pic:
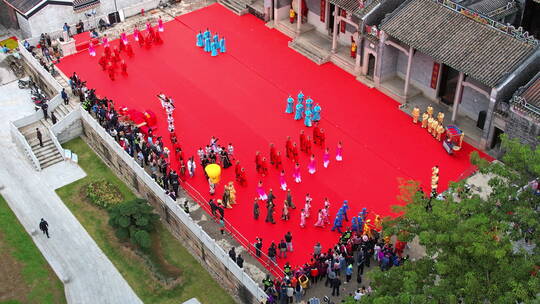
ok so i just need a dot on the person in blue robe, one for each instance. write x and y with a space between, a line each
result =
309 104
216 39
354 224
300 97
290 105
299 111
364 214
338 222
213 46
307 118
200 41
206 34
317 112
207 45
222 47
345 207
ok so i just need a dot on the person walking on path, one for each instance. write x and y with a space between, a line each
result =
44 227
336 283
39 137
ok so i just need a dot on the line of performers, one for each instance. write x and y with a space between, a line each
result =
213 45
434 125
309 112
151 37
168 105
110 61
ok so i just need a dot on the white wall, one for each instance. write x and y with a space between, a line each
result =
52 17
24 25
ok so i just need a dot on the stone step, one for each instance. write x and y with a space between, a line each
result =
34 144
343 63
237 7
51 161
310 52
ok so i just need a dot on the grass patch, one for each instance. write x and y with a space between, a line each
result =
26 277
167 273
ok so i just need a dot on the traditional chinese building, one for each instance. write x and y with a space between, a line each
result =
524 113
459 61
34 17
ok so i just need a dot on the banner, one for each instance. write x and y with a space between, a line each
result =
323 10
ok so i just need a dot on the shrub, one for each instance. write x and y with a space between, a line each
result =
103 194
133 221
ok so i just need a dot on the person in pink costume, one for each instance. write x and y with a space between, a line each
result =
302 218
91 49
307 206
123 37
339 152
136 34
282 181
320 219
160 24
326 211
326 158
261 192
296 173
105 41
311 166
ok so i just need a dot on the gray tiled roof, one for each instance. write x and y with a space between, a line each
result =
478 50
532 92
487 6
360 12
348 5
23 6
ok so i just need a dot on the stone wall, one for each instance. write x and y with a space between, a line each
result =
522 128
421 70
185 235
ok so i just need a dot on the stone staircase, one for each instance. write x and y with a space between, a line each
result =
344 63
239 7
310 51
48 154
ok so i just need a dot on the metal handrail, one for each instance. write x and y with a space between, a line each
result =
272 266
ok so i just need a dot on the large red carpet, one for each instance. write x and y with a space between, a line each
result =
240 96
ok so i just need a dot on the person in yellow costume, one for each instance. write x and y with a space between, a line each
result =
429 110
415 114
440 117
378 223
435 170
440 132
425 118
367 229
430 124
232 193
434 126
434 182
292 14
353 48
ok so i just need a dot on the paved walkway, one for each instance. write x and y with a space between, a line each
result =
88 275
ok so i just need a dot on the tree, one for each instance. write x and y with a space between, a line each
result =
474 246
133 221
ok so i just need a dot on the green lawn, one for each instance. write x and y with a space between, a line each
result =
25 275
186 277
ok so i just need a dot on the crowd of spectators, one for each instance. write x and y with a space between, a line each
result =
335 268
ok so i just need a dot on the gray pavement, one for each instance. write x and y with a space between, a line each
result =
88 275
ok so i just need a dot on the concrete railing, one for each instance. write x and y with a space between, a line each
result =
177 212
23 145
65 122
32 62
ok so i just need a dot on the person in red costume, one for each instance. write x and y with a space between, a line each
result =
295 152
107 51
129 50
322 138
258 161
241 177
316 133
264 167
277 161
103 62
110 70
272 153
157 38
288 147
121 46
124 68
141 40
302 140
